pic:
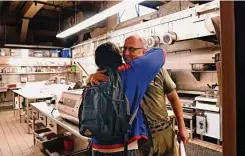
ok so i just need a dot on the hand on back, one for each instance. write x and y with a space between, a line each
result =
97 77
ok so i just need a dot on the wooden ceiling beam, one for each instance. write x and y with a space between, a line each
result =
59 6
24 29
30 10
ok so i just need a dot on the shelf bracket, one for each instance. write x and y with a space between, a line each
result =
197 75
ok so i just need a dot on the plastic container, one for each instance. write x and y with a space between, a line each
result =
2 53
54 53
69 144
46 53
73 68
65 53
12 85
38 54
44 144
5 51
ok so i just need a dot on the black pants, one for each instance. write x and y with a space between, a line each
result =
130 153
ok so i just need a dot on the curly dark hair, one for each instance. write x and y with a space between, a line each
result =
107 55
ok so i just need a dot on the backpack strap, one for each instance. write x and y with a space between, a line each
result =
127 106
128 112
129 125
133 116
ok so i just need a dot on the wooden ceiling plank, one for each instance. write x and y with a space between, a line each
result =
30 10
24 29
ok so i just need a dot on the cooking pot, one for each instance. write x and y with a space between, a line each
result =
153 41
169 38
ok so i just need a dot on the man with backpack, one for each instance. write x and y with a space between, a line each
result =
162 141
135 77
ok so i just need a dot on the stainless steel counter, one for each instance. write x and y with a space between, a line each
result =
46 110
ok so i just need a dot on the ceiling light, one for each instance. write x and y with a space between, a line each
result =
31 46
97 18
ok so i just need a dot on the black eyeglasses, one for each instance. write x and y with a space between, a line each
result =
130 49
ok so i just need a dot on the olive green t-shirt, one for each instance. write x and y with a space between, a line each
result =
154 102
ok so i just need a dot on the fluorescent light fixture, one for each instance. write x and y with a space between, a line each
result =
98 17
31 46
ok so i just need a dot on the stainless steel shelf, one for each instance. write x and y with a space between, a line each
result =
197 74
8 65
190 92
206 71
32 73
33 57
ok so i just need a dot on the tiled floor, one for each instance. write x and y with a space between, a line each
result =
14 140
207 144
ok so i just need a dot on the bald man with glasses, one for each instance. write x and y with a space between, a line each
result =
162 140
133 48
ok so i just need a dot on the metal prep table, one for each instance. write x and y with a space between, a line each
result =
30 97
34 92
54 121
58 125
15 103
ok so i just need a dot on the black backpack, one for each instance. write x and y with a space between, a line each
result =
105 111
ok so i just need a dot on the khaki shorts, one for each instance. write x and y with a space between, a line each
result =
163 144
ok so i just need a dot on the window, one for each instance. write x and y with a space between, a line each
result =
145 10
134 11
127 14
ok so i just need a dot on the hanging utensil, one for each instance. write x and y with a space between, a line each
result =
169 38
